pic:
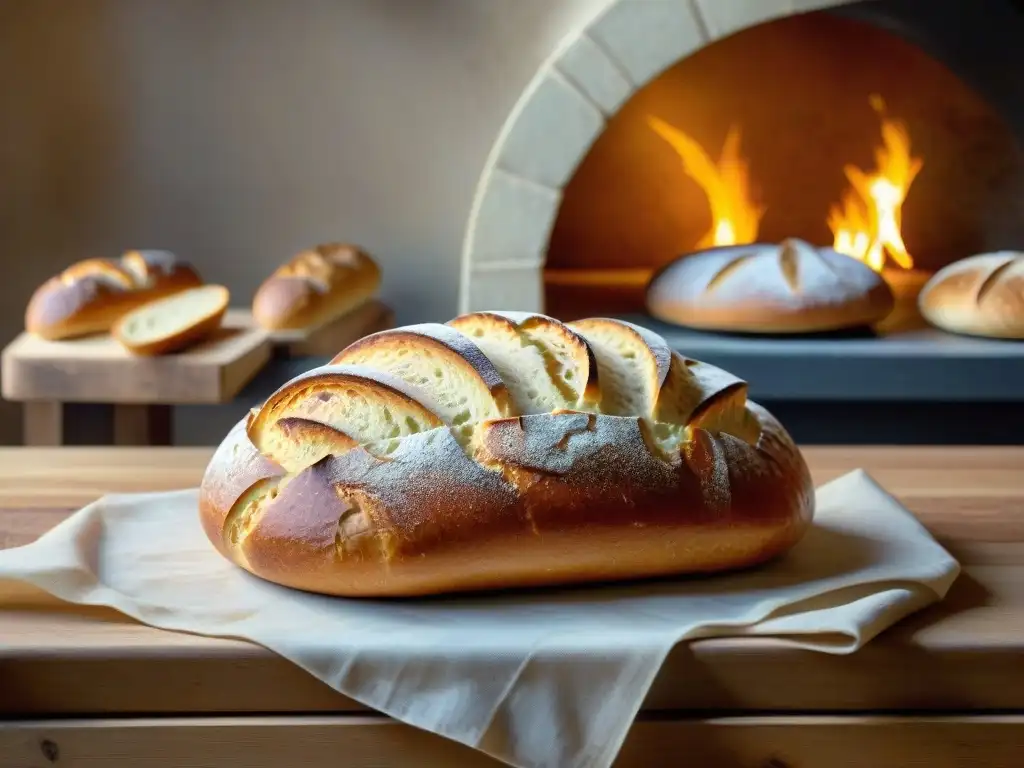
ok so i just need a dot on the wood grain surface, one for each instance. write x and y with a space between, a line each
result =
966 654
365 742
327 340
97 369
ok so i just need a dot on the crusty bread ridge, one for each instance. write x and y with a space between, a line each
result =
409 466
174 322
314 287
792 287
981 295
91 295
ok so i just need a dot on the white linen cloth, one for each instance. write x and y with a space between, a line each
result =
546 679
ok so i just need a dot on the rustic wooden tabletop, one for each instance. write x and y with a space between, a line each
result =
955 670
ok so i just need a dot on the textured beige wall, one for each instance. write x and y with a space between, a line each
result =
236 131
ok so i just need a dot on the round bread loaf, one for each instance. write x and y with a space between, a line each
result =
315 287
981 295
504 450
792 287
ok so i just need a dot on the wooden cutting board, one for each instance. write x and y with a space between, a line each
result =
922 693
327 340
97 369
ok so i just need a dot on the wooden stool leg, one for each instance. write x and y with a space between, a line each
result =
142 424
43 423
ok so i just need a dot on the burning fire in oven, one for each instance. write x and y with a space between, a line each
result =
734 215
867 222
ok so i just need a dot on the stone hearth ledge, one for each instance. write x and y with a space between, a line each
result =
559 116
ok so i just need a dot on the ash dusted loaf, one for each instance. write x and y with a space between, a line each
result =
981 295
792 287
91 295
174 322
315 287
504 450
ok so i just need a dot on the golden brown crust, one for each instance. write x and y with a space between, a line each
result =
551 498
762 288
981 295
316 286
91 295
234 467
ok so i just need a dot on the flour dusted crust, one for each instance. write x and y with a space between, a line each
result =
380 476
315 287
981 295
792 287
91 295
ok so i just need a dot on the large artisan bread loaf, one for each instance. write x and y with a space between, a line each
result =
792 287
502 450
315 287
981 295
91 295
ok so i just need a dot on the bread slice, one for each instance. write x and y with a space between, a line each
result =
632 363
545 364
365 405
174 322
440 362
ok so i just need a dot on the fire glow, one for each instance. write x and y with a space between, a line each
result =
734 216
867 222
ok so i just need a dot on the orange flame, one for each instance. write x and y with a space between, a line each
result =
867 224
734 216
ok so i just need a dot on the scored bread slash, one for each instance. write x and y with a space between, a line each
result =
299 443
441 362
545 364
173 323
504 450
696 394
633 363
364 404
235 466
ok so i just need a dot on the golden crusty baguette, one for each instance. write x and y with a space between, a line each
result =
374 491
315 287
981 295
91 295
174 322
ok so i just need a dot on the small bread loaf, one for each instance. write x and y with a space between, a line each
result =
504 450
788 288
174 322
91 295
316 287
981 295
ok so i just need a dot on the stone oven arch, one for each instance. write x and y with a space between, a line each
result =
558 117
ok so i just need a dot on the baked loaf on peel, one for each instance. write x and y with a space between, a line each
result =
981 295
504 450
315 287
792 287
91 295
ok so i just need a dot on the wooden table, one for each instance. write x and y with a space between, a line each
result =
49 376
944 688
